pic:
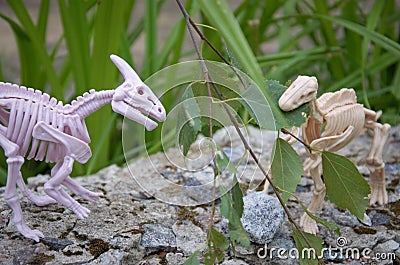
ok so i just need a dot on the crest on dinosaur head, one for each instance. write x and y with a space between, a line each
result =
302 90
134 99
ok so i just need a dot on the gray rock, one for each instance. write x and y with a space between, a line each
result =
262 217
378 218
234 262
157 236
389 246
189 237
175 258
344 218
56 243
113 256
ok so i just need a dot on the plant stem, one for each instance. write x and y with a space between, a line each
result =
208 80
233 120
297 138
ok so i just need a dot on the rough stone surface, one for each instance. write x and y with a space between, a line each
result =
262 216
189 237
157 236
114 231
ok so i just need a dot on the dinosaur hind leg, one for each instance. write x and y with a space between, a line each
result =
14 163
53 188
376 166
306 222
38 200
81 191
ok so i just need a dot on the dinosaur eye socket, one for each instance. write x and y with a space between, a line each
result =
140 91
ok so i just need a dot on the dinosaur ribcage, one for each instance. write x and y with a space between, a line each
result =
340 118
20 116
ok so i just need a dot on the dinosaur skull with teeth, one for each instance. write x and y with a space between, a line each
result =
134 99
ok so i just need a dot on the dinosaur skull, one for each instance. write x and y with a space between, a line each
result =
134 99
302 90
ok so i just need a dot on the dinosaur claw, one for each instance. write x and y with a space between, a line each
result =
29 233
308 224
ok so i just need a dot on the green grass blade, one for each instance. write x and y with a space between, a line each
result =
266 60
221 17
43 59
150 28
354 78
372 22
329 34
27 57
379 39
43 17
108 25
76 32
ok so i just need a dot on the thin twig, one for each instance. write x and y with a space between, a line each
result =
297 138
207 78
233 120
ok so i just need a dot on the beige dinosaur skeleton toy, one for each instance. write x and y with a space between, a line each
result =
344 119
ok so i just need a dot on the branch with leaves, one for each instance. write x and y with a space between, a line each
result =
286 166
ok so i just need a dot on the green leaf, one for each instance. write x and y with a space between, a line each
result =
189 120
238 234
222 18
286 167
192 260
307 255
218 239
223 162
232 209
294 117
237 198
258 107
328 224
210 258
345 186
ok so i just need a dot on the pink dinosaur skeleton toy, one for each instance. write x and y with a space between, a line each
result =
38 127
344 119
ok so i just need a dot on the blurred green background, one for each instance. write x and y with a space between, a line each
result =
63 48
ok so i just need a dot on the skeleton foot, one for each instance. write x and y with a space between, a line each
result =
308 224
81 191
79 210
377 182
65 199
21 226
38 200
90 195
27 232
378 194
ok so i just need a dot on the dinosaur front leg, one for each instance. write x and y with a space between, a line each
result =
53 188
375 164
328 143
